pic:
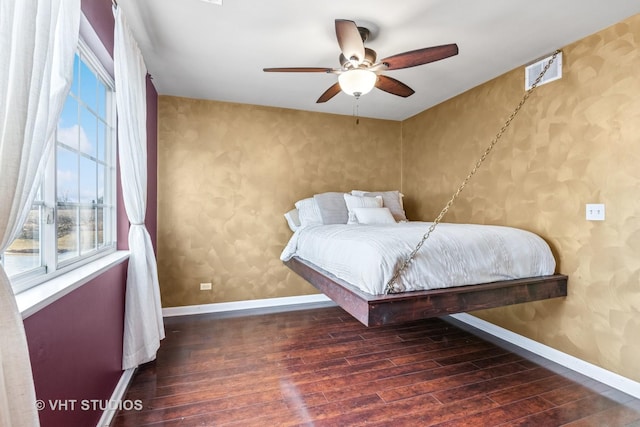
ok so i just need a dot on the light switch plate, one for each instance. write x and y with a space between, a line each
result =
595 212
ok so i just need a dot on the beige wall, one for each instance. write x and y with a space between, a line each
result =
226 175
576 141
228 172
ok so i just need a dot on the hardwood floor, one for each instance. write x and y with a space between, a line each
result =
320 367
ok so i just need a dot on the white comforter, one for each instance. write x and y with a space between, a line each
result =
454 255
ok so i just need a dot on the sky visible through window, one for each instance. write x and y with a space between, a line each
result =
83 165
81 138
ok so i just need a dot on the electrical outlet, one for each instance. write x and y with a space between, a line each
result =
205 286
595 212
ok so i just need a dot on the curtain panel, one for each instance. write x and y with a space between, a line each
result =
143 324
38 40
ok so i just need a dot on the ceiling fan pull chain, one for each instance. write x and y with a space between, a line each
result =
393 286
356 111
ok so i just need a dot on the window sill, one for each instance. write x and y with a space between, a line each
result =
34 299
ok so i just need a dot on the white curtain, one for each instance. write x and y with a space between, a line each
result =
38 40
143 325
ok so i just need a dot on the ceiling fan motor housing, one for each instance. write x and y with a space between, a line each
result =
359 72
370 57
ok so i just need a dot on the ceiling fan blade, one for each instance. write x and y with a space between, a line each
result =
420 56
298 70
350 40
329 93
393 86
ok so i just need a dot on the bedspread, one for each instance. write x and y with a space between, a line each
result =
454 255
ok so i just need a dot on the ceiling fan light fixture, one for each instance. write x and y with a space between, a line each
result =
357 82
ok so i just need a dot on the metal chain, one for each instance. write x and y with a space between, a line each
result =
392 285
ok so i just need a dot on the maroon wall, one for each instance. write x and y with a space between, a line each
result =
151 216
100 15
75 343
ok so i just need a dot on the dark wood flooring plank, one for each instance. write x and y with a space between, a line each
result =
499 360
418 350
472 356
522 391
492 385
567 413
568 393
380 413
616 416
501 415
448 382
428 416
321 367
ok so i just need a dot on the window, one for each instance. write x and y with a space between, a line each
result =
72 219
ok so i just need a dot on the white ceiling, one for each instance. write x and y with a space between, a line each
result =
197 49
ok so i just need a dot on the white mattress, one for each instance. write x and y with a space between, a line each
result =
454 255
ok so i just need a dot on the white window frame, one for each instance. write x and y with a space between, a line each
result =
50 268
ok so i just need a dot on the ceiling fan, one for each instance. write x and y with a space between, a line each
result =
360 73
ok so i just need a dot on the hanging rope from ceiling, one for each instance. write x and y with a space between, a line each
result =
393 286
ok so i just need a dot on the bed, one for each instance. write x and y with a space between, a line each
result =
460 268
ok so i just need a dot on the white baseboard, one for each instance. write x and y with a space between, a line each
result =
116 396
243 305
597 373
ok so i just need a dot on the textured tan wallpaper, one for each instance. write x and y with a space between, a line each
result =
576 141
226 175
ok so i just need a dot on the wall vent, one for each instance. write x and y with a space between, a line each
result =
532 71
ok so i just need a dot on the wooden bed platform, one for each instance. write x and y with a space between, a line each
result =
375 310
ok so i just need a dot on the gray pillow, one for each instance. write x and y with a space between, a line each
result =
393 201
333 208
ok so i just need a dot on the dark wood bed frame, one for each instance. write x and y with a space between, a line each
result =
375 310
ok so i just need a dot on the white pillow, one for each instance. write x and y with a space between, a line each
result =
308 212
368 194
293 219
360 202
374 216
